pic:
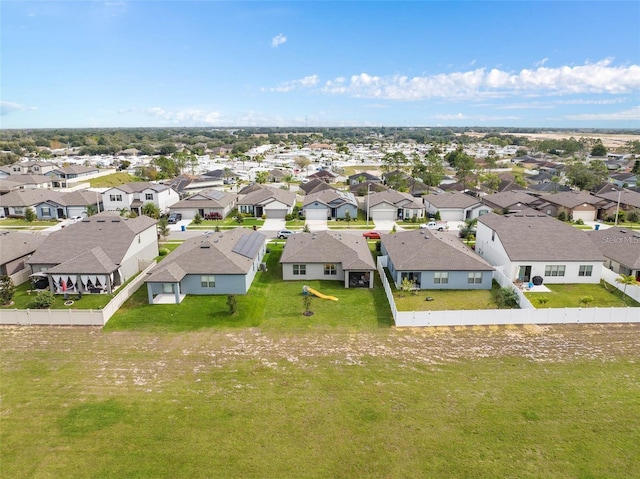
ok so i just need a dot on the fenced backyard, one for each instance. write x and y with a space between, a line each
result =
528 314
73 317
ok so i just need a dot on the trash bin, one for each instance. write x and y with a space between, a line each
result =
183 228
597 227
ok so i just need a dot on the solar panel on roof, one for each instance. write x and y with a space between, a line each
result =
215 194
249 245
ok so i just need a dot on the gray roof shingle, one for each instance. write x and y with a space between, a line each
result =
329 247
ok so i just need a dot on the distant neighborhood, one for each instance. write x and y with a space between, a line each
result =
535 217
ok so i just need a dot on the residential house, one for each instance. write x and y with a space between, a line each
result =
324 175
15 203
328 255
97 254
132 196
15 249
615 199
330 204
391 205
624 180
31 168
363 177
209 204
401 181
511 201
455 206
531 244
27 182
62 176
264 200
574 204
620 248
432 260
215 263
314 186
277 175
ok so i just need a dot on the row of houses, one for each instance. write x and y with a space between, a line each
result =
100 253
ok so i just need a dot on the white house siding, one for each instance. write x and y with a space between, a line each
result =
383 213
109 205
314 271
570 276
164 199
276 209
316 213
143 247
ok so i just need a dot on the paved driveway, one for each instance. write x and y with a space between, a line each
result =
317 225
273 225
383 226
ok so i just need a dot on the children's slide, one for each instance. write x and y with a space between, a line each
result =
319 294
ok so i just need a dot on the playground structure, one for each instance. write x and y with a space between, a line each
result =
308 290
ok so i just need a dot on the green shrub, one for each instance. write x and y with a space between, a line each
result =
197 219
7 289
43 300
506 298
163 251
579 221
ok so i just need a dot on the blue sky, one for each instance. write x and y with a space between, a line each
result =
205 63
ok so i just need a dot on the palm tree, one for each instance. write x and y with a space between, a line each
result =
626 280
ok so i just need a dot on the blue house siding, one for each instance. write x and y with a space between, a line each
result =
455 280
341 211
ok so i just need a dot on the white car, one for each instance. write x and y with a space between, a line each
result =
75 219
284 234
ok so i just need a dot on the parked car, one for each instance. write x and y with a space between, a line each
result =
435 225
371 235
174 218
75 219
284 234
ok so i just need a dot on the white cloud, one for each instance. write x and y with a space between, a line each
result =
456 116
306 82
278 40
185 117
7 107
632 114
600 77
541 62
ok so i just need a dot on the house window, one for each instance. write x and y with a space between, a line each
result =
493 236
330 270
115 197
554 270
585 270
475 277
208 281
148 196
46 211
167 288
18 210
299 269
441 278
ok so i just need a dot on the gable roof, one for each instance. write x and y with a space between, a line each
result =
619 244
207 199
534 236
107 230
627 197
231 252
352 251
139 186
15 244
423 250
316 185
266 194
509 198
396 198
30 197
570 199
329 196
452 200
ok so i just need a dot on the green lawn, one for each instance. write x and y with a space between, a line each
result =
568 296
22 223
270 303
22 300
444 300
115 179
78 403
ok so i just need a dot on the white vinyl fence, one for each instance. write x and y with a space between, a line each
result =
527 315
73 317
610 277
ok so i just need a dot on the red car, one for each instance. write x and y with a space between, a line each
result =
371 235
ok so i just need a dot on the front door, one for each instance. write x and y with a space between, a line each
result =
524 274
60 213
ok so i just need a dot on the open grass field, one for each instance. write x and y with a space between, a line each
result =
568 296
531 402
115 179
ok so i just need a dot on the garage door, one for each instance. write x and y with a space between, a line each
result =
383 215
584 215
316 214
275 214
